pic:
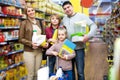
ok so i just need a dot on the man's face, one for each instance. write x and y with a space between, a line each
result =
68 9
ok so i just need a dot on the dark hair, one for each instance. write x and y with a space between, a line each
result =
66 2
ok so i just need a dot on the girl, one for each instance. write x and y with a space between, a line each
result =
65 62
55 22
32 53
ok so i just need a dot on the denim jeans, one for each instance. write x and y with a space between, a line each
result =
69 74
79 60
51 64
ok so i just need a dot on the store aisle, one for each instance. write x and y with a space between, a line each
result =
96 65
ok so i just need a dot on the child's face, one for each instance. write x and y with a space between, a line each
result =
54 20
61 35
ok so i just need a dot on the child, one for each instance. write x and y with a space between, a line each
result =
55 22
65 62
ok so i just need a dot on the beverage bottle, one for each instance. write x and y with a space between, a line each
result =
34 37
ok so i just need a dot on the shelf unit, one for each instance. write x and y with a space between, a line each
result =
112 30
6 18
10 56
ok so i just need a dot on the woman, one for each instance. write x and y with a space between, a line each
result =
32 53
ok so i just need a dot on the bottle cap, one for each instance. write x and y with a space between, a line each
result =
34 30
59 67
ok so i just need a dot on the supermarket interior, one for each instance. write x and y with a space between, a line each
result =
101 52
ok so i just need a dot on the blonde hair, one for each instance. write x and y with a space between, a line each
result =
25 9
57 16
63 28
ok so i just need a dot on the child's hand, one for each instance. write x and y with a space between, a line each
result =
65 57
55 53
52 40
46 45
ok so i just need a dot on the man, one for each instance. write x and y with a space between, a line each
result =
69 21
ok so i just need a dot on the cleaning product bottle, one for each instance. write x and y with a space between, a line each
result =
34 37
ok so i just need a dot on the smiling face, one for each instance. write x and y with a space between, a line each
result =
62 34
54 20
30 13
68 9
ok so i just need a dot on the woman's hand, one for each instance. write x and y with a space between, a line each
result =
34 45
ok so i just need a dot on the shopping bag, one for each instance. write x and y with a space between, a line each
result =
43 73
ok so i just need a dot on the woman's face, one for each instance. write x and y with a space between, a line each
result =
54 21
61 35
30 12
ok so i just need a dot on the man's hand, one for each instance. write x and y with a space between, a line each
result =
85 38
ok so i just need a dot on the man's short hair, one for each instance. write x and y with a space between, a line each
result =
66 2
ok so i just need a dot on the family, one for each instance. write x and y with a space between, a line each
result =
33 53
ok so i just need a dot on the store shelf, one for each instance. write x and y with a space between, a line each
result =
39 18
91 14
10 27
13 39
12 66
10 53
11 16
9 4
14 52
39 10
3 43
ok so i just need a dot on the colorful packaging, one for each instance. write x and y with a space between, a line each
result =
67 48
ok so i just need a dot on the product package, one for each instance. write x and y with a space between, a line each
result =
67 48
80 29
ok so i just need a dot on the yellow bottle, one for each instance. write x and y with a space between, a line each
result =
55 35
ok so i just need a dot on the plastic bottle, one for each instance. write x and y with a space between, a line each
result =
34 37
59 72
54 35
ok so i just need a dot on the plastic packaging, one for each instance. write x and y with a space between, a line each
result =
59 72
34 37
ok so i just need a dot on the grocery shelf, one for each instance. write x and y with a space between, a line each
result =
13 39
8 15
9 4
39 18
12 66
14 52
10 53
9 27
3 43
